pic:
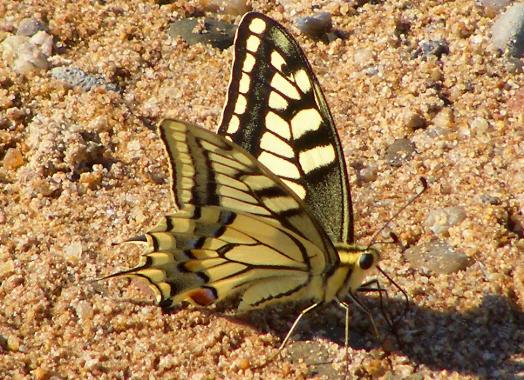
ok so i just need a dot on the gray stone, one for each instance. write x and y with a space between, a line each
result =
316 26
441 220
29 27
216 33
399 152
507 32
432 47
437 256
75 77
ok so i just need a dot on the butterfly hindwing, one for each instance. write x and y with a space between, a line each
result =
275 109
205 254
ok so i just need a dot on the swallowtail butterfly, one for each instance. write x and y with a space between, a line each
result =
263 207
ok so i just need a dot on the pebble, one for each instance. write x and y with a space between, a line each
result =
13 159
412 120
399 152
516 223
491 199
91 180
25 55
441 220
73 251
74 77
518 281
13 343
507 32
7 266
316 26
4 121
479 126
367 174
516 103
44 41
437 256
244 363
231 7
374 368
363 57
514 65
371 71
444 119
84 310
30 26
15 114
40 373
493 7
402 26
432 47
216 33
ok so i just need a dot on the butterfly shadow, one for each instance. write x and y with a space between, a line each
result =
483 342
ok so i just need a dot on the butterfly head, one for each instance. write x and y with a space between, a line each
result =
359 262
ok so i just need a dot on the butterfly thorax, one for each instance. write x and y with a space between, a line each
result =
356 263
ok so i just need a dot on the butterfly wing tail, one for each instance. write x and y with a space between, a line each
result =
170 248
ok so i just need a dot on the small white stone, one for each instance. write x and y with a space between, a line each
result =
363 57
84 310
479 126
22 55
45 41
441 220
73 250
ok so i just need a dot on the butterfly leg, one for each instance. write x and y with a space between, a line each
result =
345 306
374 286
294 325
404 294
290 332
363 307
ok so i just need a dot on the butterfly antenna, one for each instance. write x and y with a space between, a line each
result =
394 283
396 240
399 211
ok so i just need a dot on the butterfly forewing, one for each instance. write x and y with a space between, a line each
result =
212 171
275 110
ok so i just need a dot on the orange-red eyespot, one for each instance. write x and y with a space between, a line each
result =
203 296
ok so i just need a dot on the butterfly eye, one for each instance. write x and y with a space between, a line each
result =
366 261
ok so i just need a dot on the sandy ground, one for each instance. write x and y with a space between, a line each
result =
85 171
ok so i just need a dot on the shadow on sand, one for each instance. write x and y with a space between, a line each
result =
482 342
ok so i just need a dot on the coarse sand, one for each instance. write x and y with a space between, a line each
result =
84 170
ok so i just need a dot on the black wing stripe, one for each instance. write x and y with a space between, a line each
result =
287 293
